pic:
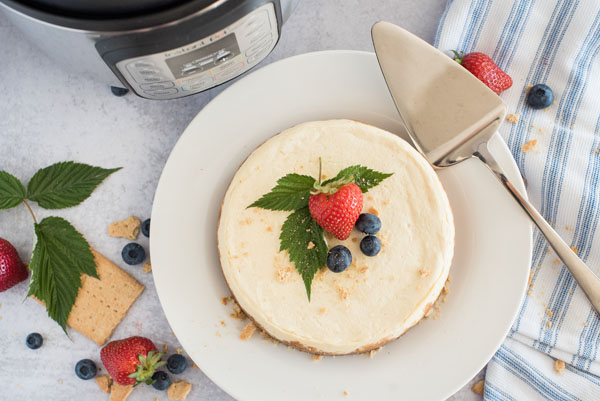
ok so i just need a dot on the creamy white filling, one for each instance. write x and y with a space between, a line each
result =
377 298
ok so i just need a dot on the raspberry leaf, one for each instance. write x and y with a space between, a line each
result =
12 192
291 193
65 184
60 256
362 176
303 238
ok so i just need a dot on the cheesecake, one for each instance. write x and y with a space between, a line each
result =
376 299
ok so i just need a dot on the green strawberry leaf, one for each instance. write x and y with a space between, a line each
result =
291 193
65 184
60 256
303 238
362 176
12 192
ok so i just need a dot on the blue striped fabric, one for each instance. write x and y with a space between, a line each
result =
555 42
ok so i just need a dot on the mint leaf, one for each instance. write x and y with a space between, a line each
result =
65 184
12 192
60 256
299 233
291 192
364 177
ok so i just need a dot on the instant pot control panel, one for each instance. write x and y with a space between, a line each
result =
207 62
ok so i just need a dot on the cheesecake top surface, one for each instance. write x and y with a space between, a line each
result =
375 299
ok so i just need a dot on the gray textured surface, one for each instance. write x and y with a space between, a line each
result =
49 115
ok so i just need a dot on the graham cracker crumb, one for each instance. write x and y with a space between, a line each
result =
165 348
363 269
118 392
549 313
179 351
529 292
585 323
225 300
478 387
512 118
179 390
373 352
548 324
322 310
237 312
568 228
529 145
155 399
556 261
283 273
540 130
574 249
445 290
147 267
269 229
374 211
528 87
597 151
559 366
247 331
311 245
223 323
104 382
196 366
128 228
423 272
343 292
355 240
346 392
317 358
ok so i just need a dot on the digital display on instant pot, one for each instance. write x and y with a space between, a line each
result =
204 58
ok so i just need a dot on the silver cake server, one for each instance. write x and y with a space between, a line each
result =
450 116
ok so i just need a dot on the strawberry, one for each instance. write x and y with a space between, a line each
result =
336 209
132 360
484 68
12 270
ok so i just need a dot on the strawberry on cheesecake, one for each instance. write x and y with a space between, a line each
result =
335 237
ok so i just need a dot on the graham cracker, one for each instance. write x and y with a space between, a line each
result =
102 304
128 228
104 382
119 392
179 390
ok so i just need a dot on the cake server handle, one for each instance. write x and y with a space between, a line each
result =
587 280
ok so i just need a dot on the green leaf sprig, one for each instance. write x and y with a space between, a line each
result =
61 254
301 236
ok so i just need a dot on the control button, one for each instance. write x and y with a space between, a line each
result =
152 78
190 69
258 35
230 72
198 85
195 78
162 92
148 71
259 46
257 19
158 85
141 64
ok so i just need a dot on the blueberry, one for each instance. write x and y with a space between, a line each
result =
118 91
370 245
85 369
133 254
176 363
34 340
339 258
368 223
540 96
161 380
146 228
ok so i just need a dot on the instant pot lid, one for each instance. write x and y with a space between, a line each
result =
94 9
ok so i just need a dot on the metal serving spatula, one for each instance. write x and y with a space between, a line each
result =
450 115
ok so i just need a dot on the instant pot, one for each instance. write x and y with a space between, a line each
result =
160 49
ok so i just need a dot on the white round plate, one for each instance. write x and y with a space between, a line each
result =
431 361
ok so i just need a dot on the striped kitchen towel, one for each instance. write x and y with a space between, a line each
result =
555 42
